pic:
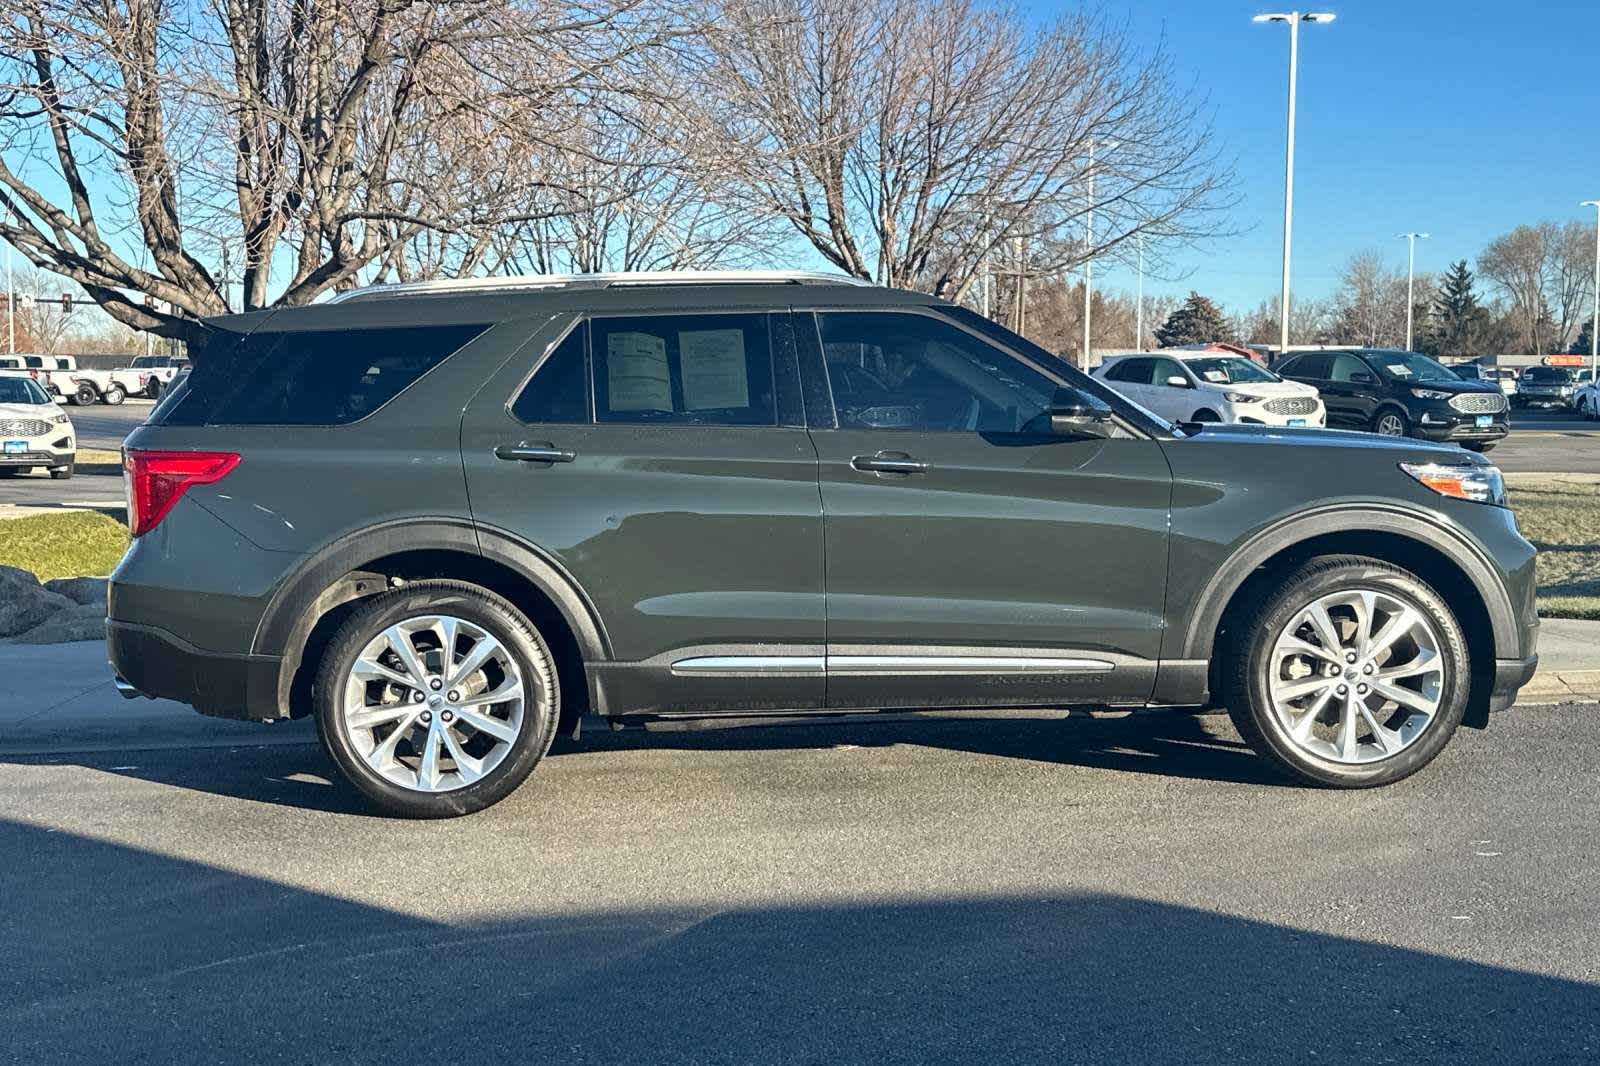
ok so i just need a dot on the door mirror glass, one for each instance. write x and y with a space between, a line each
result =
1075 414
1177 381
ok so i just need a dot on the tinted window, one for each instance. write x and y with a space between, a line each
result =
1229 370
909 371
1133 371
1307 366
1346 367
1547 375
313 378
559 389
704 370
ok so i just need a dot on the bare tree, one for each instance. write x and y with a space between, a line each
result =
908 141
1310 322
1371 301
303 143
1545 273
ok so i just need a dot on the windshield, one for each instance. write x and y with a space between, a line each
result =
1230 370
1467 373
1408 366
1547 375
21 390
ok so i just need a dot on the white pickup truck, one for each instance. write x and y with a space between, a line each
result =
61 376
159 371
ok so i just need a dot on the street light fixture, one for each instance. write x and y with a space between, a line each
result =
1594 324
1293 19
1411 273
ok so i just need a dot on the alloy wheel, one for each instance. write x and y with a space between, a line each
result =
1391 425
1356 676
434 703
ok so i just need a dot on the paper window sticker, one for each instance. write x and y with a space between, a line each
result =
637 377
712 362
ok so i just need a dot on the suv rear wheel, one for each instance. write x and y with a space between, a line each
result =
1352 673
437 699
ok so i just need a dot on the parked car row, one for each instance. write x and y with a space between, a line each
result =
1396 394
34 430
61 376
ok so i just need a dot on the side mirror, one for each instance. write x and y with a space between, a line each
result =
1178 381
1073 414
1361 377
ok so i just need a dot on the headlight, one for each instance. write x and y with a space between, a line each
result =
60 420
1430 394
1463 481
1239 397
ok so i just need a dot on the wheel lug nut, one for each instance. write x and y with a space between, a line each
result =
1343 689
1361 689
453 696
446 716
1367 669
1349 656
417 697
436 684
426 717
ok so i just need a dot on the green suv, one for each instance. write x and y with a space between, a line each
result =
449 519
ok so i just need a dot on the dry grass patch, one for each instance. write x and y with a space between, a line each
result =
63 544
1560 514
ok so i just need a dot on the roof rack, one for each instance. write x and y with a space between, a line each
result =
525 282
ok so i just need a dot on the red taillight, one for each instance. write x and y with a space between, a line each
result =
156 480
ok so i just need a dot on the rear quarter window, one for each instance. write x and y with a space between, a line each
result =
309 378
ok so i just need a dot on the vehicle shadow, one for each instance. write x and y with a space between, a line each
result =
1162 744
120 954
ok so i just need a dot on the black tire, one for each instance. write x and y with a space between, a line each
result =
1246 674
1205 414
61 473
1384 423
152 389
482 608
114 395
84 395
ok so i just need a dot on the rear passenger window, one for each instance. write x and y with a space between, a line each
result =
705 370
559 389
311 378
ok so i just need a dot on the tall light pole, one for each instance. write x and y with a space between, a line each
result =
1088 262
1293 19
1411 274
1138 312
1594 324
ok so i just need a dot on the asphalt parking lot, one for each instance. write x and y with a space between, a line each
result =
1540 441
1051 889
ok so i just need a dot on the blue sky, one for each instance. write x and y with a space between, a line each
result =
1461 120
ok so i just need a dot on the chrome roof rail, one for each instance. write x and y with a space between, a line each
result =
535 282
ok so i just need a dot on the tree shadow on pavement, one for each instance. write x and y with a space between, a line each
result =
115 954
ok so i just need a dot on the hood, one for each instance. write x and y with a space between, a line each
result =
1268 389
1452 385
1400 447
46 411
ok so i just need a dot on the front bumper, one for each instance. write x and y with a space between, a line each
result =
1252 414
152 662
1529 398
1447 424
52 449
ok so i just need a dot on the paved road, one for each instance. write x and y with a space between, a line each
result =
1118 890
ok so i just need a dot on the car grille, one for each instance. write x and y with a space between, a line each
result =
1478 403
1292 405
24 427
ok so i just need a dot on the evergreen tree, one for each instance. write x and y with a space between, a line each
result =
1458 320
1196 321
1581 345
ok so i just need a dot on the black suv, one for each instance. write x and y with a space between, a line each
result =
448 520
1402 394
1545 386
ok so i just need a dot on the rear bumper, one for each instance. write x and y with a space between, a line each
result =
152 662
1509 677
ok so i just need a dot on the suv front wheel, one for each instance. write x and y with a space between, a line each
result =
1352 673
437 699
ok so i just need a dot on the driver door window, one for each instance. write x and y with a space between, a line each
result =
1347 367
892 370
1164 369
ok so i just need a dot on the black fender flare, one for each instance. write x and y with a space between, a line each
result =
1296 529
309 591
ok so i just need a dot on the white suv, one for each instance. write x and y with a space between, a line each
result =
34 431
1198 386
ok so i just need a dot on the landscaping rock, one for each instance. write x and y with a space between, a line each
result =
23 606
66 627
12 577
85 590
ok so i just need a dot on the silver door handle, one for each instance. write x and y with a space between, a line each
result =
534 453
889 463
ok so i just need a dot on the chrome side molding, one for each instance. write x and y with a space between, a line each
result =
890 665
